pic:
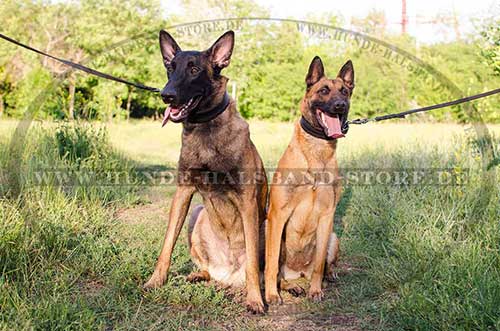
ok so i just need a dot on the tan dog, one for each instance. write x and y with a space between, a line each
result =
300 217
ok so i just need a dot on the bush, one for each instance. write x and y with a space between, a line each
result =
77 143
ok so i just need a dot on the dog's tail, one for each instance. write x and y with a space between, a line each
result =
332 258
192 221
333 250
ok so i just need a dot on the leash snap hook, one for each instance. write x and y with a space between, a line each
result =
359 121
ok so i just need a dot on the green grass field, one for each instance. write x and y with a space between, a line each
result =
414 257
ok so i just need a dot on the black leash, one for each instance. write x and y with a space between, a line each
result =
82 67
418 110
205 116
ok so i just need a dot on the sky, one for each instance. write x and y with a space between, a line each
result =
419 12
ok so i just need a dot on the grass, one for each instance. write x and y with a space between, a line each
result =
414 257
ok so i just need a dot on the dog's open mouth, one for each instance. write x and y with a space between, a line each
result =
177 113
331 124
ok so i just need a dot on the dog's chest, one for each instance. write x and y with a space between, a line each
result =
312 204
214 154
317 198
312 207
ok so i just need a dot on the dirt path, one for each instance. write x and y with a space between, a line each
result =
338 311
294 315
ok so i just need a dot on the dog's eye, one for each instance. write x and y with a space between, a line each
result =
324 91
344 91
195 70
170 68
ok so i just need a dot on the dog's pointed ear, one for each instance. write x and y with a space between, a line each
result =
346 73
316 72
168 47
220 52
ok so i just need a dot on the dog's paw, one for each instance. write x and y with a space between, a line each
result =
315 295
255 307
154 282
274 299
331 276
196 277
296 291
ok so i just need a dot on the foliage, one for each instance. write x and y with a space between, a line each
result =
81 143
490 44
268 66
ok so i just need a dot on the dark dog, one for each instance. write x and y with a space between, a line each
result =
306 212
224 233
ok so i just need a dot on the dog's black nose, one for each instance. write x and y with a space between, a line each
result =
168 95
340 105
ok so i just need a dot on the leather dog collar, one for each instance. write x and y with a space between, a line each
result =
205 116
318 133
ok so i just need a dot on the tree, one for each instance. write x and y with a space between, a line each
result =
490 44
74 30
375 23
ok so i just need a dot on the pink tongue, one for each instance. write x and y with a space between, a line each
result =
166 115
333 126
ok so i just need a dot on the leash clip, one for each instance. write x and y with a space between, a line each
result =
359 121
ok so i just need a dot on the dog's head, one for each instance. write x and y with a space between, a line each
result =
326 102
193 76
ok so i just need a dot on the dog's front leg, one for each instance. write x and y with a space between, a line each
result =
250 218
276 220
323 233
178 212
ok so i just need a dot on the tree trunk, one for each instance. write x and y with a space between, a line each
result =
2 107
71 106
129 102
